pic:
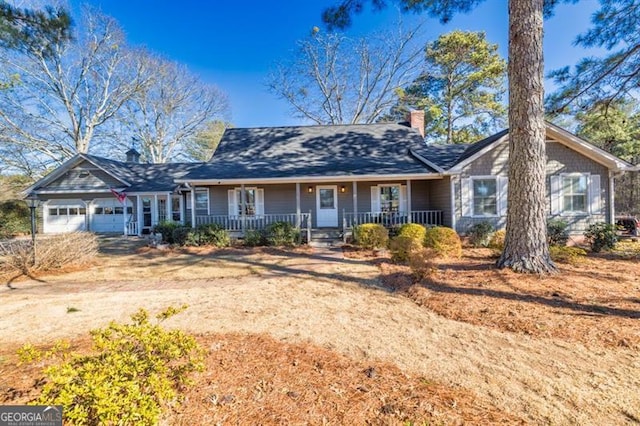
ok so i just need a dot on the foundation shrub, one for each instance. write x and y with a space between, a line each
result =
213 235
134 372
444 241
479 234
254 238
281 234
422 263
370 236
557 233
402 248
413 230
185 236
601 236
496 241
166 229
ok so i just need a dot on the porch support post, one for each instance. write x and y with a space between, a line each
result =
139 213
182 208
298 220
169 207
612 199
408 200
193 206
355 198
243 212
154 210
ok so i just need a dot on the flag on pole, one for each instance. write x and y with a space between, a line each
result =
121 196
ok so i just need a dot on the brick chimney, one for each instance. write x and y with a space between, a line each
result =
416 120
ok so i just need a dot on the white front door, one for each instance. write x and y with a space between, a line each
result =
327 206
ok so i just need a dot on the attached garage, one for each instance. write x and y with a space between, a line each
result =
107 215
64 216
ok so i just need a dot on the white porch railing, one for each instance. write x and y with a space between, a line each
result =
391 219
246 223
132 228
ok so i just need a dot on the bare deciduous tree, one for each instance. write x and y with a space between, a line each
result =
334 79
62 102
173 106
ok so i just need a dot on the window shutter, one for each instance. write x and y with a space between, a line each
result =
555 195
403 199
375 199
467 197
503 183
232 202
260 201
595 202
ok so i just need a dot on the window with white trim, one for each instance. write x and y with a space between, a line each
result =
202 201
574 193
249 201
485 197
389 198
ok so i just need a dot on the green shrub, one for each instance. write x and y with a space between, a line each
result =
480 233
557 233
401 248
370 236
444 241
254 238
281 234
213 235
184 236
166 229
135 370
15 218
564 254
413 230
601 236
496 241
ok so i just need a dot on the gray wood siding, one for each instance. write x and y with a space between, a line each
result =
84 176
440 198
560 159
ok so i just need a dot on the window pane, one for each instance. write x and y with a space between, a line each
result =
118 210
83 211
53 212
389 198
98 210
484 197
129 210
202 200
326 198
574 193
62 211
73 211
175 204
108 210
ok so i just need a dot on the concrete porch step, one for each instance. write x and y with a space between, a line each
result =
326 237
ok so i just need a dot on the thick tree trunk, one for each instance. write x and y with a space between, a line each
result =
526 248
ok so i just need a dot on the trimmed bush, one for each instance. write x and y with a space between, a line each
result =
370 236
444 241
213 235
281 234
480 233
401 248
134 372
52 253
496 241
15 218
601 236
564 254
166 229
557 234
413 230
184 236
254 238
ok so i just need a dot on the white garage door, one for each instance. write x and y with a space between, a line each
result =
62 216
108 215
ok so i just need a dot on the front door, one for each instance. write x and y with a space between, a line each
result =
327 206
147 215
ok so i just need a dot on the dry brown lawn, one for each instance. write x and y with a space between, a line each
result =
291 335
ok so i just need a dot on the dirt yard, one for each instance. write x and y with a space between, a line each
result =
550 350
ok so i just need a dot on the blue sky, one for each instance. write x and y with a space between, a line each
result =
235 44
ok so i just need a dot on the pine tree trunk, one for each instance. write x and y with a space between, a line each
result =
526 248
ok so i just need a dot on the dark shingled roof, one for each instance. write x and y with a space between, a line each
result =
314 151
447 156
145 177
